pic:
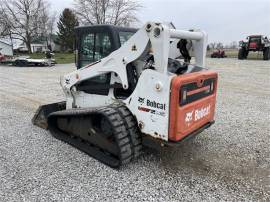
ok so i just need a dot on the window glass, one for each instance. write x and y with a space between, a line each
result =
255 39
94 47
102 79
124 36
87 47
103 46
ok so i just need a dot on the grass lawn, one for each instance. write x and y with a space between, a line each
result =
61 58
66 58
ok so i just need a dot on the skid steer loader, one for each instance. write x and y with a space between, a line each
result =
131 90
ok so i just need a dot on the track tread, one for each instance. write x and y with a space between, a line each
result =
121 134
131 125
124 129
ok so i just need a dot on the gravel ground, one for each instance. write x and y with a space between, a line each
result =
229 161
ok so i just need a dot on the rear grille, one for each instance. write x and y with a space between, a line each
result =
191 92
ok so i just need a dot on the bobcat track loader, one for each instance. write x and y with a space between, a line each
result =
131 90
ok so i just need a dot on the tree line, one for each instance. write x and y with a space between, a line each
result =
29 20
219 45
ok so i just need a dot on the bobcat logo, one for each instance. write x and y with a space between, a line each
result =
189 117
67 81
141 100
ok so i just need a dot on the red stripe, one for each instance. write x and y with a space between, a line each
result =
144 109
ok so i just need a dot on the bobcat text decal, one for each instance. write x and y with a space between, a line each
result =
197 114
152 103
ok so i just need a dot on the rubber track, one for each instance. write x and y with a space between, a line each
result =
133 130
123 127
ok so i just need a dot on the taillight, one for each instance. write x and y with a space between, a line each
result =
184 95
212 86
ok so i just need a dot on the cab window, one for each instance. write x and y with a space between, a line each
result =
87 49
125 36
94 47
103 46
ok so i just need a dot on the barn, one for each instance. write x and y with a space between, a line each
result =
6 48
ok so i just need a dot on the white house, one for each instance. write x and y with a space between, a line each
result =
37 47
6 48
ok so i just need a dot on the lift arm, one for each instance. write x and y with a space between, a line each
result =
152 35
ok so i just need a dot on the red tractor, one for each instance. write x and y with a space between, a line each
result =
218 54
254 43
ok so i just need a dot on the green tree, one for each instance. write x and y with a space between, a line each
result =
66 24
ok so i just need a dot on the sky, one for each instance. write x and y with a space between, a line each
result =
224 20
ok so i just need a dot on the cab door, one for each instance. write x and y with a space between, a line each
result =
93 47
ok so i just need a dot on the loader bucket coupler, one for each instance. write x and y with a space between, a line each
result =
43 111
